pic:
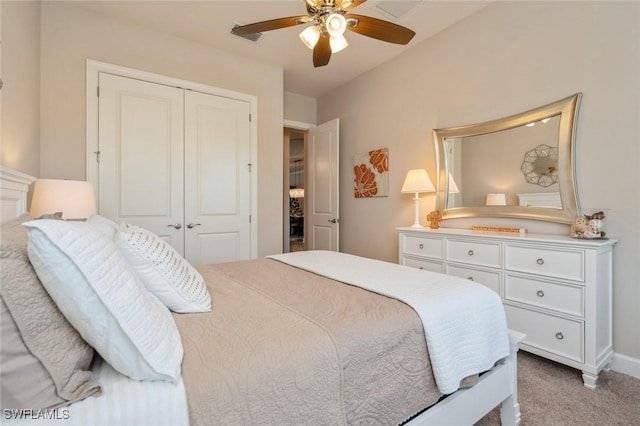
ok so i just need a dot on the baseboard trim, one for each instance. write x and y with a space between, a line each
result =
626 365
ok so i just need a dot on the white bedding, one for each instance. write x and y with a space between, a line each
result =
464 322
124 402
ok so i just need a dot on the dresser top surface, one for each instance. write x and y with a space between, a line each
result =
513 237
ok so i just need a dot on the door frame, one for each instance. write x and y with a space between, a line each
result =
303 127
93 70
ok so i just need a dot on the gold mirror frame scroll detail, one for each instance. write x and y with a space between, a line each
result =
567 108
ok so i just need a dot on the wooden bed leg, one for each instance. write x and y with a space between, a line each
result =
510 408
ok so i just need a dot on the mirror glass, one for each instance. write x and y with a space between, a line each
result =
518 166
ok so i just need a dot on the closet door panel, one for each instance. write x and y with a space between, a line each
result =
217 179
144 151
140 172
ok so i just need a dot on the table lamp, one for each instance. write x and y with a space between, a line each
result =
417 181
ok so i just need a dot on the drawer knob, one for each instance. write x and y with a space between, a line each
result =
470 278
559 335
540 261
470 252
421 246
540 293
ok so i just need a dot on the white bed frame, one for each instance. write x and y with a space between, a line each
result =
14 187
499 386
464 407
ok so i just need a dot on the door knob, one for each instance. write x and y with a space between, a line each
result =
177 226
193 225
333 220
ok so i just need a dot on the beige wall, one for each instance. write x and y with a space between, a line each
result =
505 59
20 134
71 35
299 108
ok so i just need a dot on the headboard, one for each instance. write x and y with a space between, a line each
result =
14 187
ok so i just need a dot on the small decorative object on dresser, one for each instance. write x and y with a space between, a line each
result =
434 219
556 290
588 226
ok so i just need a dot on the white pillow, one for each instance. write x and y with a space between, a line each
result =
101 296
105 226
163 271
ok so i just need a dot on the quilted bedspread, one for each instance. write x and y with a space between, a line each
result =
285 346
464 322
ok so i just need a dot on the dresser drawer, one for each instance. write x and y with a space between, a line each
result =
568 264
476 253
557 335
423 264
421 246
487 278
558 297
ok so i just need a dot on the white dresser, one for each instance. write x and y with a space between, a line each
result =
556 290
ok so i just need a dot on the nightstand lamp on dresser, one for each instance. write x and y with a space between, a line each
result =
556 290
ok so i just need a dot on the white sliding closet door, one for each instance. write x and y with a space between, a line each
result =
217 179
141 160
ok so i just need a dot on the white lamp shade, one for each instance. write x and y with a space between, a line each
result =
417 180
496 200
338 43
336 24
296 192
75 199
310 36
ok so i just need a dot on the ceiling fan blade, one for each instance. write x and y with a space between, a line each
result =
322 51
350 4
379 29
273 24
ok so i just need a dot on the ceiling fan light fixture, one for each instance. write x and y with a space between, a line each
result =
329 19
338 43
310 36
346 3
336 24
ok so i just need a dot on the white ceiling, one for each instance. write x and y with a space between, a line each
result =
210 22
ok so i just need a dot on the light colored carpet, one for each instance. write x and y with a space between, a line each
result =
552 394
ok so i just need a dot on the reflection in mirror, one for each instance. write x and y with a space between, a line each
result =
528 157
540 165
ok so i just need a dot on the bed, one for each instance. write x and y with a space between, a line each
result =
274 348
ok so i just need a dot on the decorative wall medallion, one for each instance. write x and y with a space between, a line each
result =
540 165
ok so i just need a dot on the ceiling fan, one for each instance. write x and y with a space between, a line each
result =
330 19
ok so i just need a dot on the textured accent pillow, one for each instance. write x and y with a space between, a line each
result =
163 271
98 292
106 226
44 361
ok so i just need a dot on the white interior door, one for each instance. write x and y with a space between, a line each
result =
140 144
217 179
322 228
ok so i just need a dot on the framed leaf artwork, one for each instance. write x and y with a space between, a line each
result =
371 174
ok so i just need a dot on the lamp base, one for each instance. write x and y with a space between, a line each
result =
416 204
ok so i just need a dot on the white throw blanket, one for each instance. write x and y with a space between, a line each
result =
464 322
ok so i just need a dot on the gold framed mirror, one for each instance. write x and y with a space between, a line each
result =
476 162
